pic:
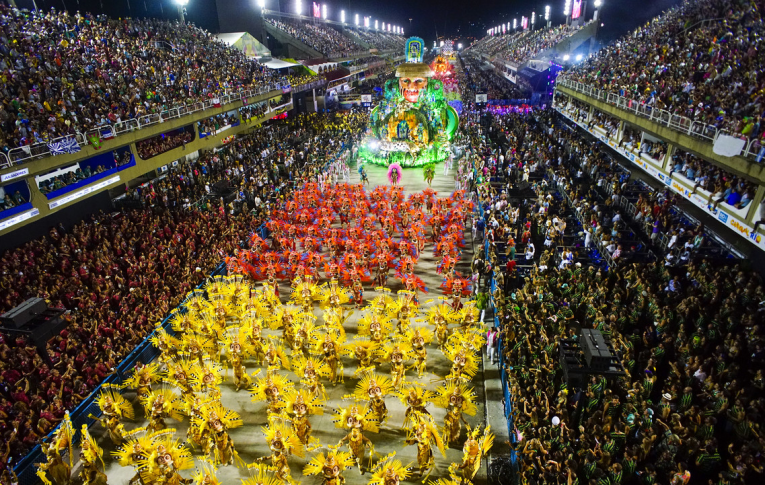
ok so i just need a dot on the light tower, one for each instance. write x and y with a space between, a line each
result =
182 9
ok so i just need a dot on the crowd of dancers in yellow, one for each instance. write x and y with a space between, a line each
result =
223 327
233 331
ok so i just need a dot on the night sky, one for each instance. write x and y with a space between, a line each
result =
456 19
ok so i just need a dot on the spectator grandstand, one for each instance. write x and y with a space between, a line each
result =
141 67
698 60
323 38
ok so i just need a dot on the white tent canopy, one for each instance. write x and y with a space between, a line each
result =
279 64
245 43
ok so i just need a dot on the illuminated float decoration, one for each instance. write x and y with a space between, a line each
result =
413 124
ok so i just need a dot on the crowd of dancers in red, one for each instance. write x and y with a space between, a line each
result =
346 234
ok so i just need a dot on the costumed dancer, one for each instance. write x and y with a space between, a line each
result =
283 443
389 471
425 436
299 405
310 369
161 404
270 389
396 354
357 419
55 466
475 447
418 338
395 173
330 467
90 456
113 408
214 423
415 398
373 388
457 399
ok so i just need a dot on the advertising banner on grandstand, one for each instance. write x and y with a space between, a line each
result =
524 23
576 12
316 10
481 98
366 98
725 215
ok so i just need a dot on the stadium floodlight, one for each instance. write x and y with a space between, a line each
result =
598 3
459 47
356 20
579 57
567 8
533 18
566 57
181 9
298 7
515 24
324 11
262 4
442 44
342 16
377 25
547 12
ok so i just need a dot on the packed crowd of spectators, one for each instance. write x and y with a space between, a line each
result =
118 274
722 185
70 73
383 41
156 145
323 38
533 42
700 60
492 84
523 45
689 336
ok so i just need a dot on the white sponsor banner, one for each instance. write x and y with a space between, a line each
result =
366 98
83 192
15 174
481 98
19 218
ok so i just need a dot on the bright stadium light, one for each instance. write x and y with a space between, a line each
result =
342 16
533 19
567 8
579 57
181 9
298 7
262 4
598 3
566 57
356 20
547 12
442 44
515 24
324 11
377 25
459 47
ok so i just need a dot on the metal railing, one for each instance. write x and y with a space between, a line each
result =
38 151
672 121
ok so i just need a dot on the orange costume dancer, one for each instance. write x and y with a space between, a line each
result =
456 287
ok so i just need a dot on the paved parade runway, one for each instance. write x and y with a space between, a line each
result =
249 439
